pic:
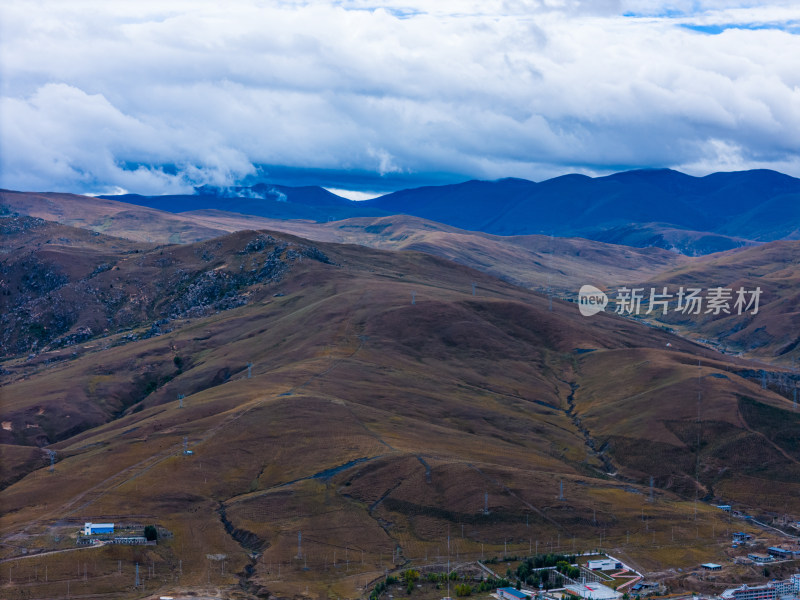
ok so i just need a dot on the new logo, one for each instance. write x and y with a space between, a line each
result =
591 300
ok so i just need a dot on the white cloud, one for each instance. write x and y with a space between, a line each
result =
158 97
354 194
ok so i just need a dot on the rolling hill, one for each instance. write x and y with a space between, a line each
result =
386 404
535 262
106 216
773 332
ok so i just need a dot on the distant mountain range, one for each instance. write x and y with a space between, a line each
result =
662 207
275 201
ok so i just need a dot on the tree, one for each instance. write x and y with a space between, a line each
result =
463 589
150 533
410 575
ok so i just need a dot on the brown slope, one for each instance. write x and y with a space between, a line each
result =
532 261
118 219
658 406
447 399
774 332
536 262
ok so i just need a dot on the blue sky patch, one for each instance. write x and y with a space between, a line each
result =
791 27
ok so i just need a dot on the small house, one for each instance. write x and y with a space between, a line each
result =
509 593
95 528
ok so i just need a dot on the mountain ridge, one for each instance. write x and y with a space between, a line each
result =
646 207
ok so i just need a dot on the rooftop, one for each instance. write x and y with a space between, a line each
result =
512 592
595 591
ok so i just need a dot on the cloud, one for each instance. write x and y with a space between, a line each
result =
354 194
161 97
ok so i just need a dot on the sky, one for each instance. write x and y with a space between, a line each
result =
161 97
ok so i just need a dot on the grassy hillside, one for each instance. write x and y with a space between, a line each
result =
374 424
774 332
